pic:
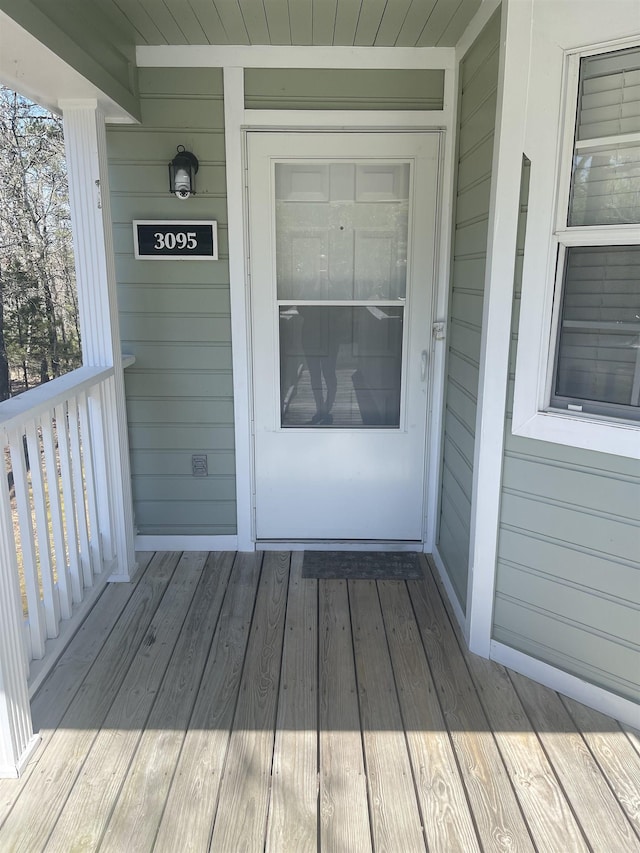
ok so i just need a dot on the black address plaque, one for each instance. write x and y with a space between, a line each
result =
162 240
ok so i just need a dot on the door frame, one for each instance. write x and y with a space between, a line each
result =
345 508
238 122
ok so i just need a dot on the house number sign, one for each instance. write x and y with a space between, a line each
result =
162 240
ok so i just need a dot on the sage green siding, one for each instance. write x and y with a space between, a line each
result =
477 114
568 572
175 315
343 89
85 39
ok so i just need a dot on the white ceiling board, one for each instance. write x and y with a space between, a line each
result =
232 21
404 23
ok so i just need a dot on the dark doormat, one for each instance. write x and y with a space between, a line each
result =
361 565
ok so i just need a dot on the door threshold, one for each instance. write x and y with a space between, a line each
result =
339 545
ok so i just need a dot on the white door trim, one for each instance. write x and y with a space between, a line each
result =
321 508
237 122
293 56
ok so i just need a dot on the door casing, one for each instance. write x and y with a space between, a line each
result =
428 344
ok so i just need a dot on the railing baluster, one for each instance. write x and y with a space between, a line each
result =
16 731
57 533
104 496
90 483
37 627
78 481
39 498
68 496
49 427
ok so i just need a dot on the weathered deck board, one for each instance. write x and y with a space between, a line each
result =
293 820
187 821
447 818
602 818
34 816
344 810
615 755
549 816
52 700
133 816
244 793
237 706
99 782
497 815
395 817
633 735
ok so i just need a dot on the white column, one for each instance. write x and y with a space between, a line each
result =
85 142
496 320
16 731
233 119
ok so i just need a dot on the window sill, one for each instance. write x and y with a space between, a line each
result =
589 432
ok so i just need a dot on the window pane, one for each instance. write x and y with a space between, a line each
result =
606 186
340 366
341 230
609 94
599 347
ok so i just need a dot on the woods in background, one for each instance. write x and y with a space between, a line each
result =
39 325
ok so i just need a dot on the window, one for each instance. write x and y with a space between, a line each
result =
596 365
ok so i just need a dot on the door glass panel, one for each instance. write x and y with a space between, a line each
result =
340 366
341 231
341 237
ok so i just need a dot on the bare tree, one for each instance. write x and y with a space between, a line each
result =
39 334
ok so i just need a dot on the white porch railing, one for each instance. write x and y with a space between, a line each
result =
56 525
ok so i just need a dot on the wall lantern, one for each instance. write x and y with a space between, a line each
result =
182 173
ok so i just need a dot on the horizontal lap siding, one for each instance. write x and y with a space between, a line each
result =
568 574
343 89
479 78
175 315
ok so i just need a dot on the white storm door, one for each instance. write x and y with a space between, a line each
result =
342 242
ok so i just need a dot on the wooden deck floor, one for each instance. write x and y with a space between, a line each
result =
223 703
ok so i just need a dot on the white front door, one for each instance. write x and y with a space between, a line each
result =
342 259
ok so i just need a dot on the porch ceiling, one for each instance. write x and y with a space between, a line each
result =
385 23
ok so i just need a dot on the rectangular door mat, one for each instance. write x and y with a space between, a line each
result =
361 565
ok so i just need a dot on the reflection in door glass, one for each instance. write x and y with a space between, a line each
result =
340 366
341 231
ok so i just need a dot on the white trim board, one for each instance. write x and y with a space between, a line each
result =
293 56
335 120
448 587
29 67
237 121
234 116
556 35
496 325
187 543
446 189
478 23
624 710
338 545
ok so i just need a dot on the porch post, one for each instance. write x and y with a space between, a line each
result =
496 321
85 143
233 119
17 739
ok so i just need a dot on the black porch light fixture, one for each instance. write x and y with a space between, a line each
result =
182 173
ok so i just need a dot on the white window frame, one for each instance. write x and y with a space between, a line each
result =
533 415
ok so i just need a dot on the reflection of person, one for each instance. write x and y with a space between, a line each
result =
320 342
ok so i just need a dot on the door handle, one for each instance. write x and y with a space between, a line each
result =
424 358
